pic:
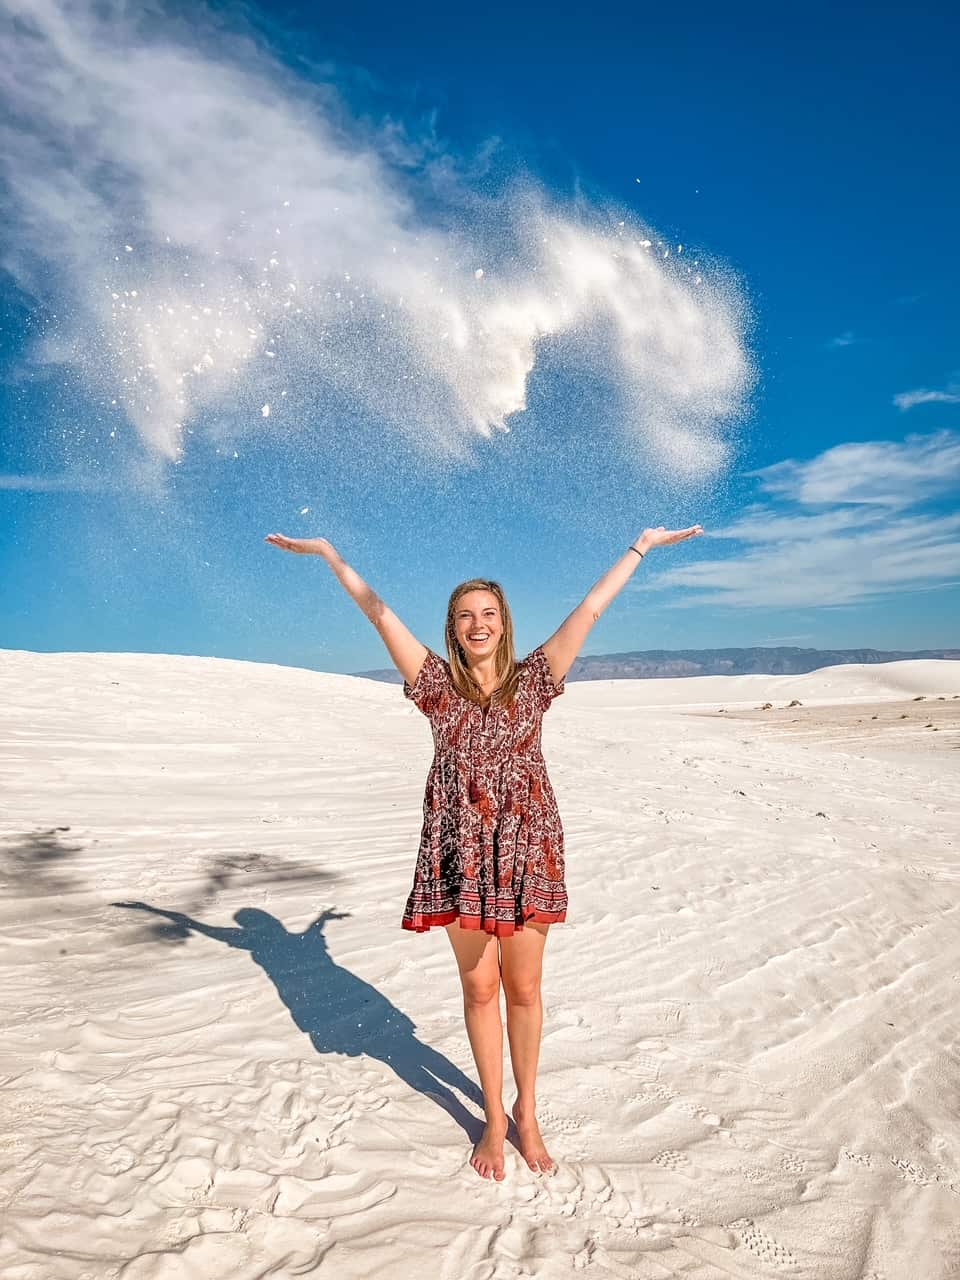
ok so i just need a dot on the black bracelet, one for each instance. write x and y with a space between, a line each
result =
633 548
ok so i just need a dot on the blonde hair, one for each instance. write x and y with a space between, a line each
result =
504 660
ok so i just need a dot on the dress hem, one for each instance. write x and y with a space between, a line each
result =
500 928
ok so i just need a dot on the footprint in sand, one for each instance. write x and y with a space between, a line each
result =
599 1095
551 1123
763 1246
791 1163
646 1063
675 1161
709 1118
864 1158
652 1094
910 1172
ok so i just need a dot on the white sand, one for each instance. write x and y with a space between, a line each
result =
751 1054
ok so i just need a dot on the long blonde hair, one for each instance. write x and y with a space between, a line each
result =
504 660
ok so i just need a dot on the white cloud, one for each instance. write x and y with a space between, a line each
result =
904 554
909 399
868 547
846 339
762 524
215 231
880 472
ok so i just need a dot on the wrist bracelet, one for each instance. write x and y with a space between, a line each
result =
633 548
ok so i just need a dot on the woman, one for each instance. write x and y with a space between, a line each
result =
490 866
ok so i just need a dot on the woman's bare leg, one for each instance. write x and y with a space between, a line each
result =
521 960
478 960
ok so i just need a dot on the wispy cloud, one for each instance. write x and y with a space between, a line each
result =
847 339
61 483
860 542
909 399
885 473
219 235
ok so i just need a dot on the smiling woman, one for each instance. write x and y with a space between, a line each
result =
490 867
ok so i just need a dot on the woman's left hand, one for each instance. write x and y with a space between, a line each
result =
661 537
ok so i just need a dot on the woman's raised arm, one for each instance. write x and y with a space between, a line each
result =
567 641
404 648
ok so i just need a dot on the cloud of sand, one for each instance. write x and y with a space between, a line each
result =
216 236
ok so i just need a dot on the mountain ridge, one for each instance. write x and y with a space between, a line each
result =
659 664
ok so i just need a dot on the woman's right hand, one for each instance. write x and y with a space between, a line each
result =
303 546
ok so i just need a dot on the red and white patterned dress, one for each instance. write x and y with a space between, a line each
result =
491 848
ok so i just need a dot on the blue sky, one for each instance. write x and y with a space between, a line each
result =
802 159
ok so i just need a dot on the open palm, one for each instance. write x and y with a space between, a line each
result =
303 546
661 537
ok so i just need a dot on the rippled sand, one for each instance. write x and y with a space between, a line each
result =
222 1058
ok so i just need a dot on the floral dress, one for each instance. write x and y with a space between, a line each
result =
491 848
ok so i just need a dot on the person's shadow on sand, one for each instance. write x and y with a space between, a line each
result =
339 1011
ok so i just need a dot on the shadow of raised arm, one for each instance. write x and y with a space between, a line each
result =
235 937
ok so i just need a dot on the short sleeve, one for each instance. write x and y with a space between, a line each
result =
431 682
542 683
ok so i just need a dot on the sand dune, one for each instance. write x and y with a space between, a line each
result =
849 683
222 1058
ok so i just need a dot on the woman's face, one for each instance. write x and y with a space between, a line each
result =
477 623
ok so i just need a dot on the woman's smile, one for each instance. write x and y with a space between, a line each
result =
478 624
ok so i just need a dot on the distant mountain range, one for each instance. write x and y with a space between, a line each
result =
656 664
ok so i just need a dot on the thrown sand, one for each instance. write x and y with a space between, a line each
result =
751 1054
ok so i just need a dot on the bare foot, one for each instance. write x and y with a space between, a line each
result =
531 1143
487 1155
